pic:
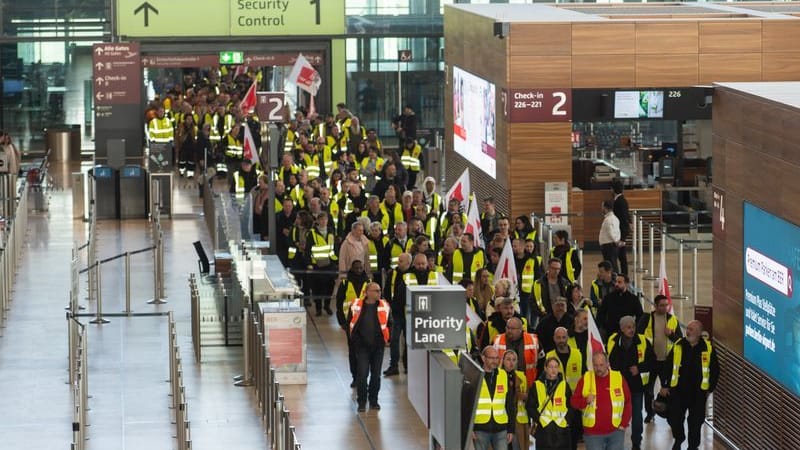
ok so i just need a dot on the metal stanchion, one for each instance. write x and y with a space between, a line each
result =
635 244
580 258
681 295
246 378
99 320
160 248
694 276
651 277
156 300
128 283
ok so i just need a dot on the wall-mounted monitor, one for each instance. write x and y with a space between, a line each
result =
475 120
638 104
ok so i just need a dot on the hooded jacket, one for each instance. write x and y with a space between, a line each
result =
353 249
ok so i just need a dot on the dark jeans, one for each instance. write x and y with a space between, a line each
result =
369 361
610 252
679 403
525 302
412 179
395 342
622 255
321 287
649 394
636 419
351 354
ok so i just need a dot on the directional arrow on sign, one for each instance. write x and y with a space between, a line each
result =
248 60
99 66
131 54
99 80
147 7
99 96
99 50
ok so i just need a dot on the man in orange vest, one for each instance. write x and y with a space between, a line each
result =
370 320
524 344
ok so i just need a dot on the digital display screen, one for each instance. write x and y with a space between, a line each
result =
638 104
474 120
771 313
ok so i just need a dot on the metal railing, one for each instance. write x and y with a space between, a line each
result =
78 380
195 307
12 236
177 389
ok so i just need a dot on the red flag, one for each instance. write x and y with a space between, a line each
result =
305 76
474 223
506 267
594 343
663 284
460 190
248 103
249 149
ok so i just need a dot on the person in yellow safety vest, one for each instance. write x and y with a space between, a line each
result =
344 119
412 161
632 355
570 360
529 269
392 210
541 287
245 179
160 129
369 343
336 142
326 158
603 396
432 198
603 284
373 141
523 343
419 274
323 261
378 248
450 217
233 145
353 286
430 224
466 260
662 329
549 410
571 269
400 243
455 354
395 292
690 374
313 163
374 211
496 322
287 168
217 125
523 229
508 361
371 167
494 423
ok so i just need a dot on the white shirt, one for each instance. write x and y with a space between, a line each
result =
609 230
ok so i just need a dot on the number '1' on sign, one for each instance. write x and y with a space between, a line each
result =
269 106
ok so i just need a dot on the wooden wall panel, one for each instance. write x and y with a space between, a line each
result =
783 66
603 39
667 38
667 70
541 152
608 71
540 72
730 37
593 213
540 40
720 67
780 36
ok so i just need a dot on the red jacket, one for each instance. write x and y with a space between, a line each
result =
602 423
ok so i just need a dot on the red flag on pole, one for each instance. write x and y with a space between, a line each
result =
594 342
663 283
305 76
474 223
249 149
506 267
248 103
460 190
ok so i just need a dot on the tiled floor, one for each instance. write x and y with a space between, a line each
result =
128 357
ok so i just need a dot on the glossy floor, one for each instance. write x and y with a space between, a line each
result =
128 357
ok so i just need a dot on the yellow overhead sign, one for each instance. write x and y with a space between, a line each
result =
204 18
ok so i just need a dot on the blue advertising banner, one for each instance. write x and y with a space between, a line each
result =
771 312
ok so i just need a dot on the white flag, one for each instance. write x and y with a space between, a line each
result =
506 267
460 190
250 152
594 341
663 284
305 76
473 319
474 223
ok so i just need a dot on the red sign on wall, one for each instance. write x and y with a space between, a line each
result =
539 105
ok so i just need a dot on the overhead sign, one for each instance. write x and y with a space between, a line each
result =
167 18
539 105
250 59
404 55
164 61
270 105
437 319
117 73
231 57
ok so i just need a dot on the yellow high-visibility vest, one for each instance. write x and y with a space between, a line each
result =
672 325
641 347
556 409
322 249
705 365
410 159
572 373
478 262
616 391
160 130
493 407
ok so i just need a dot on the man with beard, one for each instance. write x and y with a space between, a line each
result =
571 367
496 323
395 293
622 302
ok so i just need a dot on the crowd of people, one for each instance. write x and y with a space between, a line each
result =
357 223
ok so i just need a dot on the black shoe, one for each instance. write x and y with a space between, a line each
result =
405 369
636 447
362 407
391 371
353 384
374 406
648 418
329 310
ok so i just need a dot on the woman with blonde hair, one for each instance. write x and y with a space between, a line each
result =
483 289
503 288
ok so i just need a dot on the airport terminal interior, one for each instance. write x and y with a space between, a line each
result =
192 197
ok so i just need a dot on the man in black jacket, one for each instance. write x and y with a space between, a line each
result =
622 212
622 302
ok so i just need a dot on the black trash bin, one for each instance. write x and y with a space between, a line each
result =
132 192
106 191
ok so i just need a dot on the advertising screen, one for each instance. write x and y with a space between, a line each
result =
474 119
771 313
638 104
